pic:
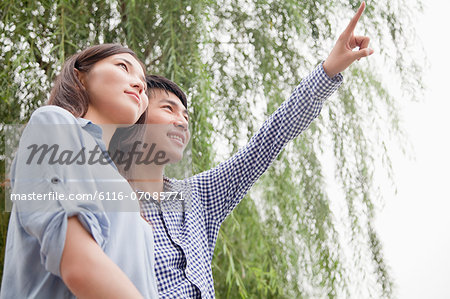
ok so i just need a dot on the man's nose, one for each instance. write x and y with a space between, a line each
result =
181 122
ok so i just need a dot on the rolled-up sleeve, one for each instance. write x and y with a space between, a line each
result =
53 182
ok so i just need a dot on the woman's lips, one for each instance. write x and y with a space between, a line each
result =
134 96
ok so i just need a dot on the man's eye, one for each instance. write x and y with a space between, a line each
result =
169 107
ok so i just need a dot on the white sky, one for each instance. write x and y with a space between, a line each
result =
415 224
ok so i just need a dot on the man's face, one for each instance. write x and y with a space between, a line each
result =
167 124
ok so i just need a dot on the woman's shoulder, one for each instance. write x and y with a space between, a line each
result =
49 124
51 114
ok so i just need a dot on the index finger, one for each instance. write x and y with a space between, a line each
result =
351 26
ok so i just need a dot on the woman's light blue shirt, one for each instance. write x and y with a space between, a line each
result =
37 228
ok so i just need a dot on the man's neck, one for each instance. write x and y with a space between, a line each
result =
148 178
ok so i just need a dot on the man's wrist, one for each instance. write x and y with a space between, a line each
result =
328 70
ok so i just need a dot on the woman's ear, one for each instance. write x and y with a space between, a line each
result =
81 76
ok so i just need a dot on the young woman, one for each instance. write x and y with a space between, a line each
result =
185 239
75 230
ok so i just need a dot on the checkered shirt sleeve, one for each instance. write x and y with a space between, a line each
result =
222 187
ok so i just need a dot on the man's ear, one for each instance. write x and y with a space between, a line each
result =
81 76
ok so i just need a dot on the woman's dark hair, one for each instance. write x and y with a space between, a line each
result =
68 92
162 83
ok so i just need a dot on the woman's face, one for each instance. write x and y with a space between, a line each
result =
116 87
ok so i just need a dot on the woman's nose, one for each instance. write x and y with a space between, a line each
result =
137 83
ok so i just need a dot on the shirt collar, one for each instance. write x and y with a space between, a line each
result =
96 132
90 127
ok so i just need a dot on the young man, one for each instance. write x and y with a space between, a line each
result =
185 238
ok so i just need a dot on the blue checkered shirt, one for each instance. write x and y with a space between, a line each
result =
185 239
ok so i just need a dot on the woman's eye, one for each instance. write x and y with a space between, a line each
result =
123 65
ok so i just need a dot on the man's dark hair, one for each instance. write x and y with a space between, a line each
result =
162 83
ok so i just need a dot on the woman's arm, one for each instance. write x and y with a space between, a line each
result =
87 271
71 234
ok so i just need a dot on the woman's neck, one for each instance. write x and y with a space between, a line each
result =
107 128
107 133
